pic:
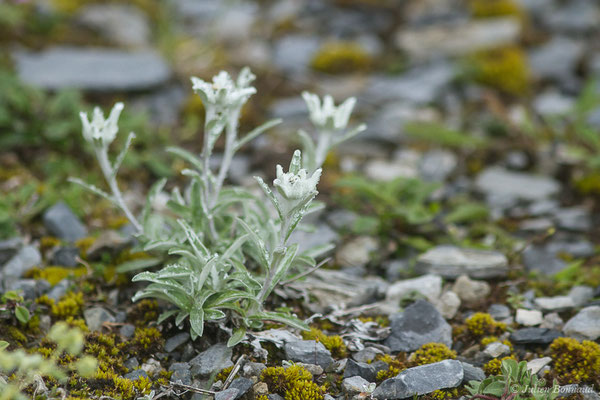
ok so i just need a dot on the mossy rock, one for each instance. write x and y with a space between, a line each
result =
341 57
505 69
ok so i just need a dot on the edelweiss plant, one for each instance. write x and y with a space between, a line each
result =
226 250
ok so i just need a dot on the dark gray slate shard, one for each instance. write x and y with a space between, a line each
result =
227 394
62 223
308 352
364 370
181 373
534 336
66 257
94 69
420 323
451 262
8 248
242 385
421 380
211 360
136 374
175 341
472 373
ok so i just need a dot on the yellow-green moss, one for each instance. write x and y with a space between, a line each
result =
395 366
145 341
444 394
494 8
431 353
144 312
293 383
69 306
119 387
575 362
341 57
16 335
84 244
381 320
494 366
335 344
55 274
480 324
223 374
504 68
48 242
491 339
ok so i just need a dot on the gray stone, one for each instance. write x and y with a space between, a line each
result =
452 262
579 16
25 259
575 219
8 248
294 53
322 234
93 69
181 373
131 363
198 10
29 288
539 258
552 321
136 374
472 373
455 39
420 85
175 341
429 286
367 371
386 171
121 24
537 364
556 59
314 369
62 223
418 324
251 369
470 290
66 256
556 303
585 325
500 183
59 290
367 355
496 349
421 380
308 351
437 165
388 123
227 394
162 106
354 385
357 252
553 103
242 385
210 361
499 311
96 316
581 295
534 336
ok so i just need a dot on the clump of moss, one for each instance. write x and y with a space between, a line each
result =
223 374
335 344
106 350
69 306
381 320
494 8
494 366
143 312
341 57
111 384
395 366
293 382
431 353
55 274
145 342
576 362
84 244
480 324
503 68
444 394
48 242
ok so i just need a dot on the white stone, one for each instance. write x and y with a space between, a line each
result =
496 349
554 303
448 304
470 290
430 286
537 364
585 325
529 317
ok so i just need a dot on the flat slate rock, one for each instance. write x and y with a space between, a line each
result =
25 259
500 183
210 361
94 69
452 261
63 223
309 352
534 336
421 380
585 325
418 324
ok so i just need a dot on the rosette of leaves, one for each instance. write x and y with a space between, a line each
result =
514 383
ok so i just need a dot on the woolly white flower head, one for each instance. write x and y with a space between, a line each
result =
99 128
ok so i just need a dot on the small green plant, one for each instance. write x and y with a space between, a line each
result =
514 383
12 303
28 369
228 249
